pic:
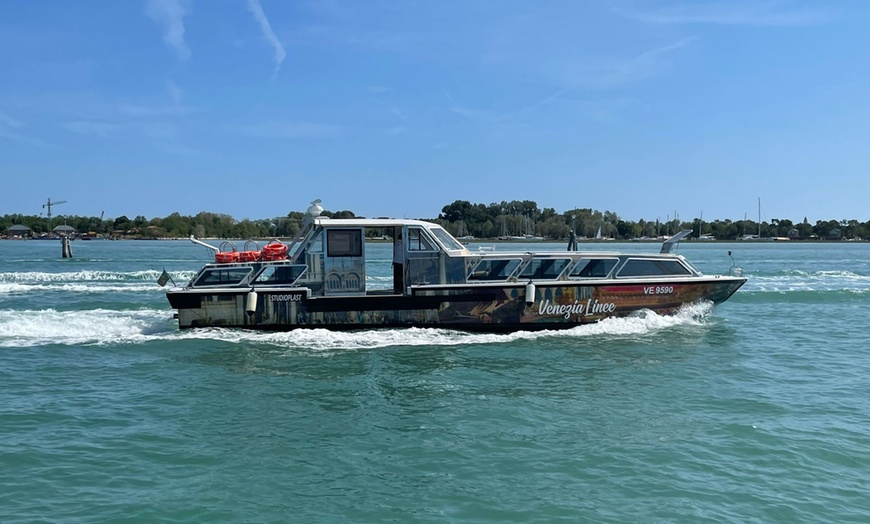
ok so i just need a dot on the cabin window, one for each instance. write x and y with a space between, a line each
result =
417 240
229 276
593 268
280 275
545 268
344 242
494 269
447 240
650 267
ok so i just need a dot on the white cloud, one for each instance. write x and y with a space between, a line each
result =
255 9
170 15
397 112
8 121
284 130
9 131
481 114
397 130
100 129
175 92
735 12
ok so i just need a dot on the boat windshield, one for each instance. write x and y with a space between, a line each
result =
593 268
446 239
544 268
653 267
494 269
222 276
280 275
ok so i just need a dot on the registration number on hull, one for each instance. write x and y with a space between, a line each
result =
658 290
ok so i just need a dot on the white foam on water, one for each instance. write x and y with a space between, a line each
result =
326 340
15 288
90 276
108 327
92 327
798 280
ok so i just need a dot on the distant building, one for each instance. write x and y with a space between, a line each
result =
18 230
64 230
835 234
793 233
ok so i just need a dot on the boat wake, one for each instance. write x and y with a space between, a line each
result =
818 281
103 327
85 281
89 276
79 328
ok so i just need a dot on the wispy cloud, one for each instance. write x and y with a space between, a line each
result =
8 121
143 111
257 10
175 92
397 113
161 135
646 57
100 129
397 130
378 90
735 12
478 114
640 66
170 15
9 130
288 130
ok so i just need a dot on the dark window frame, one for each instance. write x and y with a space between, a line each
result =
538 274
204 279
352 247
572 274
299 269
420 239
657 262
515 262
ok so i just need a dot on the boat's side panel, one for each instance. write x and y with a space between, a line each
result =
554 305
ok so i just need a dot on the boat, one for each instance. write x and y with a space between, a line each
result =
318 280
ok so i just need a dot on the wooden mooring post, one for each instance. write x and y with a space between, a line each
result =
65 247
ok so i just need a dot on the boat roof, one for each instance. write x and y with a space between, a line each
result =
371 222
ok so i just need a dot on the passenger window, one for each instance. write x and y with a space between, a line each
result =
344 242
223 276
544 268
593 268
278 275
653 268
417 240
494 269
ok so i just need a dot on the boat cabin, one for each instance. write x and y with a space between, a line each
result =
330 259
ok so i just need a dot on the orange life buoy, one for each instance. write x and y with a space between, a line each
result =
226 257
274 251
249 256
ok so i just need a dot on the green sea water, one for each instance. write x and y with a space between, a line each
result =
755 411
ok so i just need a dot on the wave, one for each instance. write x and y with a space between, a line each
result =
92 327
14 288
91 276
102 327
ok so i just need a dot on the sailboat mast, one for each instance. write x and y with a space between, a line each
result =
759 217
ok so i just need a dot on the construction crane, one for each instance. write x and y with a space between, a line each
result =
48 205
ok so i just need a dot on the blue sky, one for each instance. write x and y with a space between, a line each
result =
255 107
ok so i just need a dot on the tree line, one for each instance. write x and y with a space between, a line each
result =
461 218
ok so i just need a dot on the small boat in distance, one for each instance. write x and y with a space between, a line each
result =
319 281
